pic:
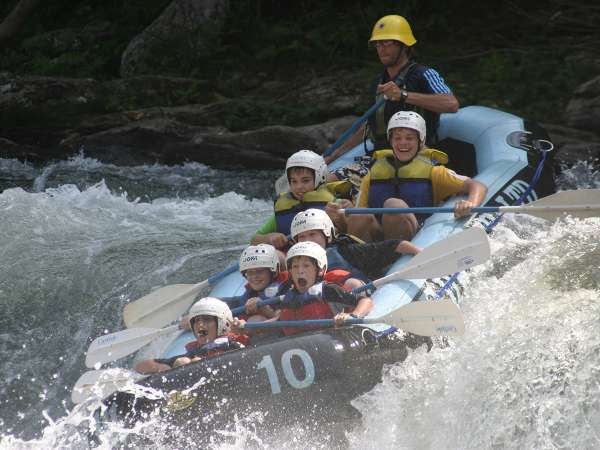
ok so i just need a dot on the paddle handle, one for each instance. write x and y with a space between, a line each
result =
264 302
303 323
280 298
354 127
478 209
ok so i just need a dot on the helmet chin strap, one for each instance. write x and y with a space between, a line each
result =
401 51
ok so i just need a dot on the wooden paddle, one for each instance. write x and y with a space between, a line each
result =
166 304
581 203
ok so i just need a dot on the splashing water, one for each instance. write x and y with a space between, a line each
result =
525 375
82 238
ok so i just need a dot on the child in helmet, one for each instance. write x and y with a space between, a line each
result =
259 264
210 320
365 261
307 266
409 175
306 173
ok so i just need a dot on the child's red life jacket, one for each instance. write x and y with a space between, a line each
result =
319 309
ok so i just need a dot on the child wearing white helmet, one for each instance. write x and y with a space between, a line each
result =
365 261
409 175
306 172
313 287
260 265
210 320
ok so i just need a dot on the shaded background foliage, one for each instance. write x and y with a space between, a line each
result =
523 58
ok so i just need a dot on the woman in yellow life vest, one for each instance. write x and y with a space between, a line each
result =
409 175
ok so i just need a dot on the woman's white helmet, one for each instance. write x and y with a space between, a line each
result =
259 256
411 120
310 249
310 160
210 306
312 219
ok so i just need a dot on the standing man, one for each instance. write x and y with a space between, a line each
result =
404 84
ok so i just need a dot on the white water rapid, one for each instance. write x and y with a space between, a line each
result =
80 238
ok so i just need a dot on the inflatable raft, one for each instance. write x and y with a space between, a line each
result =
317 373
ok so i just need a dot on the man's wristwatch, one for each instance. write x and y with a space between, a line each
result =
403 95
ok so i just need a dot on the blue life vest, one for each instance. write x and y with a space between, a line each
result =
410 182
240 300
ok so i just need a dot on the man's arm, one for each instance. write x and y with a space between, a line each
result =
433 94
439 103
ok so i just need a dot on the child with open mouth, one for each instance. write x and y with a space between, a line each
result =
210 320
314 291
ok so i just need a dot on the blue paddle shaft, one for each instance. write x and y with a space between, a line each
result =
216 277
354 127
265 302
309 297
301 323
432 210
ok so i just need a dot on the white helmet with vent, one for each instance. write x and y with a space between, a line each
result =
313 219
259 256
411 120
310 249
210 306
310 160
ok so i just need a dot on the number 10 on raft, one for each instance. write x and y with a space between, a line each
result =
288 372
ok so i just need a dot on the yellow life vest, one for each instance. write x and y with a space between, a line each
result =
286 206
410 182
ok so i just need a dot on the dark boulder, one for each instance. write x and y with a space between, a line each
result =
182 35
583 111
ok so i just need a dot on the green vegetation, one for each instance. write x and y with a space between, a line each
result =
525 58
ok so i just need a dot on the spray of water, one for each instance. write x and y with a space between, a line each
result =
524 376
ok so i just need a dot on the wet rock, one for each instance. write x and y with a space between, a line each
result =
53 107
30 153
573 145
168 141
583 111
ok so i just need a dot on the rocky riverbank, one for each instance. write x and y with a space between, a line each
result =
195 85
169 120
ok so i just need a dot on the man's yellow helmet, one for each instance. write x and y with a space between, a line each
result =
394 28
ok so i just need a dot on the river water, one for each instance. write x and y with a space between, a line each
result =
79 238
